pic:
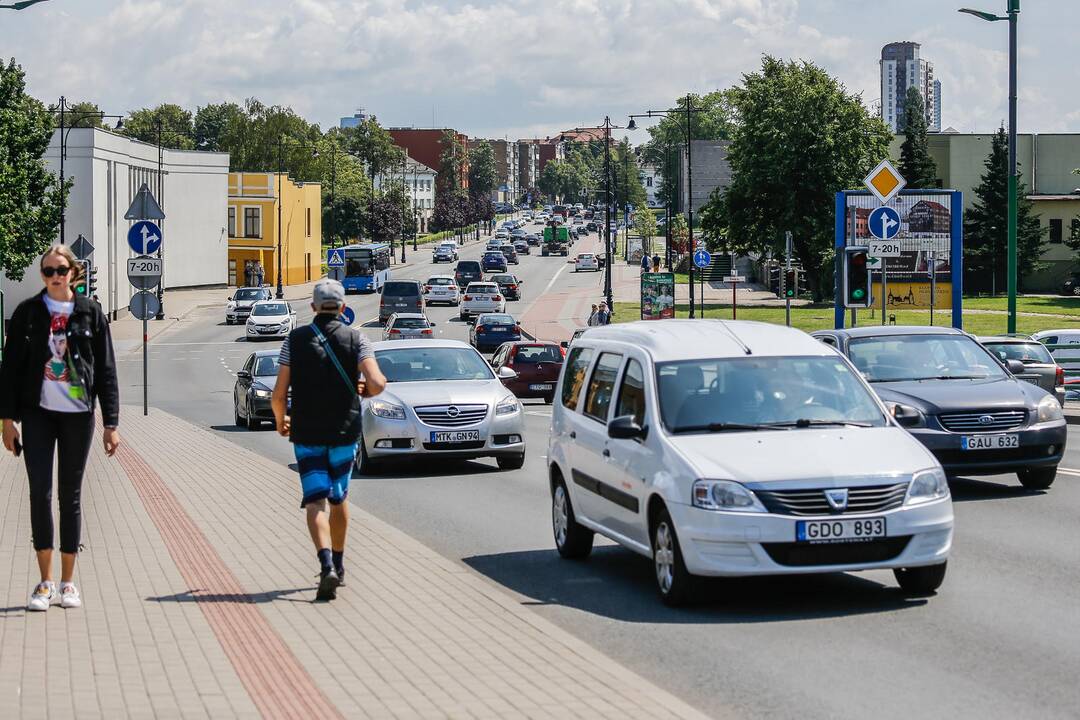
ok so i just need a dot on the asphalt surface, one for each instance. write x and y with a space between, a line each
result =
1000 640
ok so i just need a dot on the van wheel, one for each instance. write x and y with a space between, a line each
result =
511 462
572 540
1038 478
673 581
920 580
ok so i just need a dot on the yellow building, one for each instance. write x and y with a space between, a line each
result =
253 229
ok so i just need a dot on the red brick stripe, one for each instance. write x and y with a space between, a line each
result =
278 684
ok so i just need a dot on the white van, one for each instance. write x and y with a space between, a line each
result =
739 448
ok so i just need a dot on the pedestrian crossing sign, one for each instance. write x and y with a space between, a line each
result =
335 259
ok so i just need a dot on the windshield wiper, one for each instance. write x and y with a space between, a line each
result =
806 422
932 377
723 427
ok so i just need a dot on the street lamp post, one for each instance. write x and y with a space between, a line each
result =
404 199
1012 16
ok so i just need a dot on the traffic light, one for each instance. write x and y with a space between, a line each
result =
91 281
856 278
83 284
789 284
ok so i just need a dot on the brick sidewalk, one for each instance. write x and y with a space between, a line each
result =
198 606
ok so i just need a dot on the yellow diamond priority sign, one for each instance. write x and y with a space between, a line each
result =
884 181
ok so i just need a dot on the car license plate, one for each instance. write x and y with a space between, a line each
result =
540 386
500 328
833 531
455 436
989 442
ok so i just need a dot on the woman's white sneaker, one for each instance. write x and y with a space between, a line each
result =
69 596
41 597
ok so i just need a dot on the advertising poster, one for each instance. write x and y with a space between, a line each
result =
657 296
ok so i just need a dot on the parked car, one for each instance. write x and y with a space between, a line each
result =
509 285
468 271
270 319
492 330
1067 357
737 448
509 253
442 400
444 252
494 261
521 246
254 384
586 261
408 326
1071 286
238 306
481 297
537 365
442 289
959 400
401 296
1039 366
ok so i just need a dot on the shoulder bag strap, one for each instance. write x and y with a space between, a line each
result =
334 359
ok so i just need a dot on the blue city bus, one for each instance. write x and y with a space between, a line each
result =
367 267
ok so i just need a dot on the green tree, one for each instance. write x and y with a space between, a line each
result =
175 124
986 224
550 182
916 165
451 162
374 146
624 168
215 126
680 234
482 172
801 137
348 215
84 114
30 195
645 223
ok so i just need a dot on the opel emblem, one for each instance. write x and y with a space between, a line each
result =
837 499
986 419
452 411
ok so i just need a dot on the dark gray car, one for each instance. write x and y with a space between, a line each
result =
401 296
959 400
1040 368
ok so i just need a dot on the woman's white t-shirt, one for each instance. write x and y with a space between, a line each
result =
60 391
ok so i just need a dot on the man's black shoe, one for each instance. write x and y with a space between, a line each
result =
328 585
341 576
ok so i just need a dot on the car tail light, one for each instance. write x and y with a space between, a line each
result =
498 298
1060 376
513 287
467 298
427 288
395 331
426 331
480 330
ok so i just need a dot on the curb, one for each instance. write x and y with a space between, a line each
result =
1072 416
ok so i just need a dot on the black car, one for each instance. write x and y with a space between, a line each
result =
591 226
468 271
959 400
533 239
1071 286
522 246
509 285
254 385
494 261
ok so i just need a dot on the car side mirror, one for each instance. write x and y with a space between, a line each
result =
905 416
626 428
228 299
506 373
1015 367
243 374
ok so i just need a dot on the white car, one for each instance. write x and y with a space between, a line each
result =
270 319
586 261
739 448
408 326
442 289
481 297
502 233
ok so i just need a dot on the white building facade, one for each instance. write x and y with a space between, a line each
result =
419 185
901 67
108 170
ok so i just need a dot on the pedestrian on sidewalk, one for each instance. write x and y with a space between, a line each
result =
646 264
593 320
603 316
656 263
329 367
57 364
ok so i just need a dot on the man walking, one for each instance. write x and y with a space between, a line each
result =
329 367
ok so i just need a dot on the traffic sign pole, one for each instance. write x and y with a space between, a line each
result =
884 288
787 268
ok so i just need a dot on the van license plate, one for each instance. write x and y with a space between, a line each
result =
831 531
455 436
540 386
989 442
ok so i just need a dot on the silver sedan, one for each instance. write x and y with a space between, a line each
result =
442 400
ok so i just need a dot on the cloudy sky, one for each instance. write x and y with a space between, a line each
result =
524 68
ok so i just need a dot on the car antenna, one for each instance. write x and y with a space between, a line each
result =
736 338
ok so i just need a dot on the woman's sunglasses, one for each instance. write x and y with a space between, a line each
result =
49 271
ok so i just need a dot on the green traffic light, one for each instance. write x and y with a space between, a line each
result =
858 294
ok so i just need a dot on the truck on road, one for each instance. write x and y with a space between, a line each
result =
556 241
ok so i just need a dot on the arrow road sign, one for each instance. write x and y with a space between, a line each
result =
335 259
702 258
348 316
144 206
144 238
82 248
884 223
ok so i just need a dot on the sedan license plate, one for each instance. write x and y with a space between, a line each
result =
989 442
837 531
540 386
455 436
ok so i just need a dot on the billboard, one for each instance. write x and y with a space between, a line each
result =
657 296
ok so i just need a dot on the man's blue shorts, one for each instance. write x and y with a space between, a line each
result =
324 471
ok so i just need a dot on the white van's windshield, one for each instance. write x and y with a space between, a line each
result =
735 394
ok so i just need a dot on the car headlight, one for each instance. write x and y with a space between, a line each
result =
507 406
1049 410
927 485
725 495
262 393
383 409
230 305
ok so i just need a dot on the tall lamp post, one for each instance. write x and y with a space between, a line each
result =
688 111
159 130
1012 16
280 294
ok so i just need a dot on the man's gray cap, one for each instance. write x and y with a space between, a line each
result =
328 294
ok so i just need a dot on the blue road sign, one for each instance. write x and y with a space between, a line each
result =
144 238
335 258
884 223
348 316
702 258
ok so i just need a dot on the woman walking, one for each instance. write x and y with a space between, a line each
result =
58 362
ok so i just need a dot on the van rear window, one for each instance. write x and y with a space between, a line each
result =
401 289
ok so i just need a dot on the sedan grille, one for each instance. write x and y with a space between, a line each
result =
995 421
874 499
451 415
808 555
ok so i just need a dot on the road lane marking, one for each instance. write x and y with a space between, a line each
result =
1069 471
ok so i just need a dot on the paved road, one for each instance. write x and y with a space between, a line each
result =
1002 639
